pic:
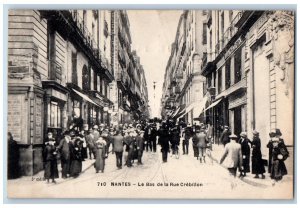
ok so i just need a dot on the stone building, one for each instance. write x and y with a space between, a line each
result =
127 72
183 83
250 73
61 75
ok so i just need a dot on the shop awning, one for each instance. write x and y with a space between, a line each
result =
214 104
85 97
180 111
175 112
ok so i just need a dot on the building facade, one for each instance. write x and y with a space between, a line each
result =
61 75
183 95
249 79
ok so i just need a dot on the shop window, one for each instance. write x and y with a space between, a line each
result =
227 74
76 108
54 115
237 65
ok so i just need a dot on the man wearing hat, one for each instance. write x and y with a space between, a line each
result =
257 161
96 133
91 143
140 144
225 136
233 158
187 135
50 153
64 148
202 139
246 146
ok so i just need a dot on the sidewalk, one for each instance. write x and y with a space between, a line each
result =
216 154
40 175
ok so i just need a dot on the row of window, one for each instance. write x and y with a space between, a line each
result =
232 72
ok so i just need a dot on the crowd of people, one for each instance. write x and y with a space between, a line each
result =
101 141
237 152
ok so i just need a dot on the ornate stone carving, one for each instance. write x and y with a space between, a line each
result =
281 31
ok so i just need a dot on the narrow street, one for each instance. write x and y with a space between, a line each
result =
184 178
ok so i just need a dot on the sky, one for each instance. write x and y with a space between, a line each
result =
152 34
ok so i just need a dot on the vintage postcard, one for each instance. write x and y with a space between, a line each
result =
150 104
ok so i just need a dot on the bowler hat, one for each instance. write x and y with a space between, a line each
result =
95 127
278 132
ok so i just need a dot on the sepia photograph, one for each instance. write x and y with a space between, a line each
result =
150 104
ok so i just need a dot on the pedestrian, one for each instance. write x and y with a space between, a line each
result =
164 140
202 139
50 152
111 133
64 149
100 153
257 161
147 136
13 156
140 144
153 137
175 141
188 133
84 145
270 147
195 141
118 140
75 155
105 135
246 147
129 142
96 132
91 144
225 136
232 158
279 155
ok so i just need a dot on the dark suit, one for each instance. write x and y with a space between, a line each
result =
64 148
140 147
245 144
118 149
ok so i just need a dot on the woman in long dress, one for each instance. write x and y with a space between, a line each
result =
100 154
76 157
257 161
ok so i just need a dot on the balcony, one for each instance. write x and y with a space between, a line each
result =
71 25
179 75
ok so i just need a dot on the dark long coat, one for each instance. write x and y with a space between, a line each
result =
13 159
278 168
246 154
257 162
51 170
76 158
164 139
